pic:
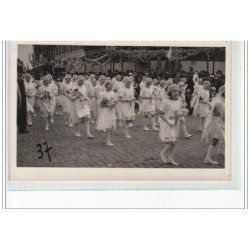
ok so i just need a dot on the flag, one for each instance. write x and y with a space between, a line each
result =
169 53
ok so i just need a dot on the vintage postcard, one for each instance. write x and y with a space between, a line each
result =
119 111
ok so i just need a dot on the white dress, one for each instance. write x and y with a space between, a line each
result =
195 97
107 115
54 94
142 84
171 111
64 92
159 96
147 106
119 87
39 96
215 124
59 98
46 100
30 90
126 95
93 101
202 106
99 89
79 106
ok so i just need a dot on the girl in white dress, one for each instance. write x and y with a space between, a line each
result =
182 96
100 87
159 95
79 107
119 85
126 98
107 115
54 90
74 81
46 94
170 113
38 96
30 90
143 82
65 88
214 130
93 100
147 104
131 77
202 106
195 97
59 99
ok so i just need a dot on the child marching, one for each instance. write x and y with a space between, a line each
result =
147 104
65 88
202 106
126 98
170 113
46 95
107 116
182 96
79 107
93 100
214 130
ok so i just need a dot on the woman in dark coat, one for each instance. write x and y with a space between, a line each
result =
21 103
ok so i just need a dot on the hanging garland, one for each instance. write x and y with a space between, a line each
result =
83 62
142 55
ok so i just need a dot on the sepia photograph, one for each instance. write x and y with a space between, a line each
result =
119 110
120 106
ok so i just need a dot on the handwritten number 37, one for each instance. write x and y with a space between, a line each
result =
40 151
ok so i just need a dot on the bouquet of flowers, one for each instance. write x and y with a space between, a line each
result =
28 92
47 96
184 111
107 103
75 94
104 103
111 103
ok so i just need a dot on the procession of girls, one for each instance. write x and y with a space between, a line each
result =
108 102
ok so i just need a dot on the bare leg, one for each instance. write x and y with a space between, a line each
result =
52 118
29 120
200 125
77 132
70 121
87 124
156 120
46 123
171 155
211 149
145 123
127 130
153 123
108 141
42 113
163 153
203 119
92 119
131 124
184 131
60 110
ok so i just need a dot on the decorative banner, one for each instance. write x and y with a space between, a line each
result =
143 56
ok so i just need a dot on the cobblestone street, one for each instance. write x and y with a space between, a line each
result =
142 151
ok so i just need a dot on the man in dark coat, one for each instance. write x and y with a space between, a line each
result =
21 103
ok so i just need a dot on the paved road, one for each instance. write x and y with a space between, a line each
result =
141 151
